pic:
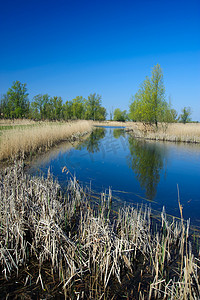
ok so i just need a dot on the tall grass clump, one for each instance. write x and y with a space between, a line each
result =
26 141
174 132
55 245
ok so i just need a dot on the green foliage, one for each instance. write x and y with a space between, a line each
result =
93 109
67 110
120 115
40 107
101 115
56 108
149 104
78 108
15 104
185 116
174 115
43 107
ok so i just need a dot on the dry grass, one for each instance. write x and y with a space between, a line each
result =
114 123
81 251
13 122
175 132
27 140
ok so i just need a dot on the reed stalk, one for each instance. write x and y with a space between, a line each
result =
51 244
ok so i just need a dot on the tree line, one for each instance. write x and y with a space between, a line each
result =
15 104
148 105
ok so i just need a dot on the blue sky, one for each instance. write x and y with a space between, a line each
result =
72 47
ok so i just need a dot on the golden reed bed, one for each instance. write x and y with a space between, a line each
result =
31 139
174 132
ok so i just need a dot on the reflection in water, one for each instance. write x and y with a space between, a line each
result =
146 160
117 133
110 157
92 143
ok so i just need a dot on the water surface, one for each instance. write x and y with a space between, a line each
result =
137 171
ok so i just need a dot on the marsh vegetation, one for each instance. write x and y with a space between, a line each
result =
172 132
73 244
69 246
27 139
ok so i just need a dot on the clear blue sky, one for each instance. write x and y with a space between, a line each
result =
71 47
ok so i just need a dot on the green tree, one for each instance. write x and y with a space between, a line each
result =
15 103
78 107
101 113
149 104
185 116
41 109
93 108
120 115
174 115
4 107
56 108
67 110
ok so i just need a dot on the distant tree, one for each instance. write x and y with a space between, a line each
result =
15 103
101 114
56 108
149 105
174 115
93 108
169 115
78 107
41 109
67 110
120 115
35 109
5 107
185 116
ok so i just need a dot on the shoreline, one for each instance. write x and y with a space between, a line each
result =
172 132
164 139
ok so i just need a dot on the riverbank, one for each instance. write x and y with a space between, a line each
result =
25 139
55 245
22 138
173 132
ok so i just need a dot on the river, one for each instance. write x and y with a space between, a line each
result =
137 171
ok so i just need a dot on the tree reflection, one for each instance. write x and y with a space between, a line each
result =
92 143
146 160
118 132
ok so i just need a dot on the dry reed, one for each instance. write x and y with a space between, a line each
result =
81 251
174 132
23 141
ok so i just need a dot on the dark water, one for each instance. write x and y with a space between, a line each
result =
138 171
